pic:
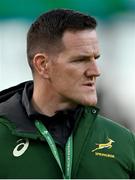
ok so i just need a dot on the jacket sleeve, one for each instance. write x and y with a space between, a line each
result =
133 155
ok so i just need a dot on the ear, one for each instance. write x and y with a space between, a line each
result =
40 63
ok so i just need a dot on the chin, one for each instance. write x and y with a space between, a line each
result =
85 100
90 102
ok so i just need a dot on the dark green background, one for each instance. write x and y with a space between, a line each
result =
30 9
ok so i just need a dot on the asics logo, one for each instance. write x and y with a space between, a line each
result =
21 147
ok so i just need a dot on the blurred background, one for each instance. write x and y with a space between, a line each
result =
116 31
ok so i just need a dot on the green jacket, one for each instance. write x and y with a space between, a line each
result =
102 149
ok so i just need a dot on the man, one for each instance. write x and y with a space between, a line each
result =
50 128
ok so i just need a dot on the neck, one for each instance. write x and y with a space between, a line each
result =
46 102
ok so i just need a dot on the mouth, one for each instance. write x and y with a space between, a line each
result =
90 85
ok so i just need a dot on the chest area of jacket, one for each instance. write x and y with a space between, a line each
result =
27 158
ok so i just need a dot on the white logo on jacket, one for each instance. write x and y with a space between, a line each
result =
21 147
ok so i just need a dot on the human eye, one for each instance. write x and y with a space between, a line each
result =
97 57
78 60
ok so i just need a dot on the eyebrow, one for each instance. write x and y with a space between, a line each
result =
83 57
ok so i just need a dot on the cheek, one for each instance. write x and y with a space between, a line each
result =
66 75
70 76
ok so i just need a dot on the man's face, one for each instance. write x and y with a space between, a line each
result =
73 73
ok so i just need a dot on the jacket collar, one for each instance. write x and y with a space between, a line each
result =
18 119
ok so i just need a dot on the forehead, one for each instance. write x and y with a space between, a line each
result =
84 41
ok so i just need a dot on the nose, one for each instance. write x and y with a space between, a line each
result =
92 69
